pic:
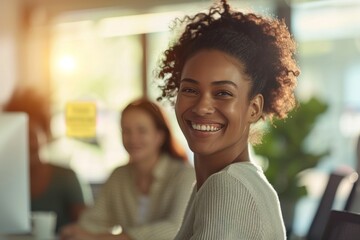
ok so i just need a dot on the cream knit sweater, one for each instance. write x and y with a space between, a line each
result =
119 202
235 203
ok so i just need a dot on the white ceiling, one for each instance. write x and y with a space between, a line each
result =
58 6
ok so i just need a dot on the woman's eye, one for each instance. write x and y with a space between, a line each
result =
124 131
224 93
188 90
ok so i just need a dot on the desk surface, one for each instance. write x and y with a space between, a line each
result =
21 237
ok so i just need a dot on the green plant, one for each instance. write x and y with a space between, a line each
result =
283 146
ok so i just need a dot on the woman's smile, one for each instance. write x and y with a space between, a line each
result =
206 127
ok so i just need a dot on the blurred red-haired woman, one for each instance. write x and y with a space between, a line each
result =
148 196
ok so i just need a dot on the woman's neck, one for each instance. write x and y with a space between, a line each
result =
205 166
143 169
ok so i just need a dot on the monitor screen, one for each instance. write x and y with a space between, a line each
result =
14 174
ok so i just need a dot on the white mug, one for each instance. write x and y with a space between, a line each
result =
43 225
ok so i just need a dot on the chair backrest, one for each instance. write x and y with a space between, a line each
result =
357 152
322 214
342 225
353 202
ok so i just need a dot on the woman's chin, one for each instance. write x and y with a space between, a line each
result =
138 158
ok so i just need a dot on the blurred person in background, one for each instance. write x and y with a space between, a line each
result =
52 188
147 197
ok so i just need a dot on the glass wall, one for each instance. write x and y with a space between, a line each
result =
87 66
328 34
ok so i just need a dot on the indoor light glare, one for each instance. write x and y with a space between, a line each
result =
67 64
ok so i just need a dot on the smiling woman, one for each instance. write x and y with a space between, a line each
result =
225 72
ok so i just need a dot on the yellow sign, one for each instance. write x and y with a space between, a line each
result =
81 119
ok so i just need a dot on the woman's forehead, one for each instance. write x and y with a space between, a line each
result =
213 65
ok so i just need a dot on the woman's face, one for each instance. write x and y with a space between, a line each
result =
141 138
212 105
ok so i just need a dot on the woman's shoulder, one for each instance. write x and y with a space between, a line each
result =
120 172
175 164
241 175
244 171
122 169
175 168
242 179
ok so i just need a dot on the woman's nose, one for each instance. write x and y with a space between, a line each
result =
132 138
204 106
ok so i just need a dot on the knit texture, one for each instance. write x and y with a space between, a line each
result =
118 202
235 203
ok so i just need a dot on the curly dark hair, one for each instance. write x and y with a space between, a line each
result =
264 45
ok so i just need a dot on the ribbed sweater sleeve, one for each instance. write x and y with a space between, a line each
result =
226 211
237 203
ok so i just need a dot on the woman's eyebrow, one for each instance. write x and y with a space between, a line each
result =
216 83
224 82
189 80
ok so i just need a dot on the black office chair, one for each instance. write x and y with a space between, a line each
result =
353 202
342 225
322 214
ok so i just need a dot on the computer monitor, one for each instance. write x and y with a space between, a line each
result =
14 174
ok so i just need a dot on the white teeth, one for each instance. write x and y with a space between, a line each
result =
205 127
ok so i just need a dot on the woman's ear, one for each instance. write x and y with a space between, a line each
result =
255 108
